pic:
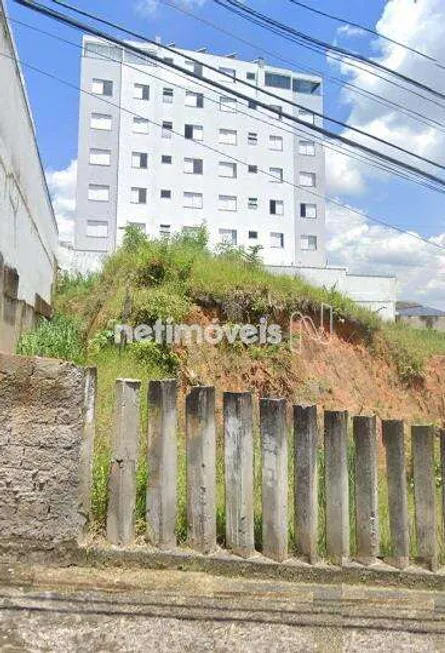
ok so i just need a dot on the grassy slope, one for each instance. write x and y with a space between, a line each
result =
146 280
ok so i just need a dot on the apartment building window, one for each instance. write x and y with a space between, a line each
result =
252 104
253 235
306 148
228 136
138 225
190 231
228 71
100 157
306 116
276 239
193 166
306 86
138 59
252 203
194 99
193 200
227 203
97 229
99 51
195 67
138 195
252 138
253 169
275 142
277 174
228 236
166 158
277 81
227 169
98 193
141 92
308 210
309 243
227 104
167 128
164 230
307 179
101 121
167 95
166 194
251 77
139 160
102 87
140 125
194 132
276 207
277 110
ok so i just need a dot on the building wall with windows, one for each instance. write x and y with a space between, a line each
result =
165 152
28 230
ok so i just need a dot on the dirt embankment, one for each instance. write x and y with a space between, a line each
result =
338 374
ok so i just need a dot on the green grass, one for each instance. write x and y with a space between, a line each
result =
150 279
62 337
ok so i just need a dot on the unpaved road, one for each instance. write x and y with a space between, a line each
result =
46 609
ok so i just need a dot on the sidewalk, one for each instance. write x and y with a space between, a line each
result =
114 610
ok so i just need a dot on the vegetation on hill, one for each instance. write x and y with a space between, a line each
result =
181 279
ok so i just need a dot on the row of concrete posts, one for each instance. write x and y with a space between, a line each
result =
239 431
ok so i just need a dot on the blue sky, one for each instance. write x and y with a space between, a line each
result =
411 207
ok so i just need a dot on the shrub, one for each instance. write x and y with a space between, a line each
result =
62 337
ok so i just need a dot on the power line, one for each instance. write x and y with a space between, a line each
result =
337 81
245 83
368 30
354 144
357 157
351 58
229 156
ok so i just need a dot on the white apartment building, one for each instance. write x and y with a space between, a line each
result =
166 152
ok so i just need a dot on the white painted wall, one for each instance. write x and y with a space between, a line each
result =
376 293
28 230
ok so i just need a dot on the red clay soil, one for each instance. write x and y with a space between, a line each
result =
335 375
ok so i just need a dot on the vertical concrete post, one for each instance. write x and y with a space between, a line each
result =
238 440
336 484
162 463
201 468
125 445
274 477
2 299
305 485
87 447
442 473
422 444
366 498
394 442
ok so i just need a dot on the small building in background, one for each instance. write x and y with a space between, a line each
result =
420 317
28 229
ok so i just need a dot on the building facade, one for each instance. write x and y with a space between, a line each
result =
28 229
166 152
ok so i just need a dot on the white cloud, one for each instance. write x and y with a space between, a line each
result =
350 31
352 240
150 7
371 248
62 187
343 174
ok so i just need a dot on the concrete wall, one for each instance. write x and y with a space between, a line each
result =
46 409
28 230
436 322
377 293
